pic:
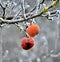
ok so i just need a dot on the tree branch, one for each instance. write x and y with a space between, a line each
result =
44 10
3 8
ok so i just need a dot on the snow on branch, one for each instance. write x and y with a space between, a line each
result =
44 10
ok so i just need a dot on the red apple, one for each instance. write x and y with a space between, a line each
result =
33 30
27 43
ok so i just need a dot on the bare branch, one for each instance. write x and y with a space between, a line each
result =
21 20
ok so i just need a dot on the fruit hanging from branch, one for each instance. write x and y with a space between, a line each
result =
27 43
33 30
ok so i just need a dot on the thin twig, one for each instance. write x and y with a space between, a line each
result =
21 20
3 8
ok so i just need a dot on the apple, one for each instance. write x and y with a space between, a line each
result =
33 30
27 43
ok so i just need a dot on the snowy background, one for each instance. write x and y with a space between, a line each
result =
10 37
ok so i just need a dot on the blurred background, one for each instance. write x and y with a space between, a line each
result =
47 42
